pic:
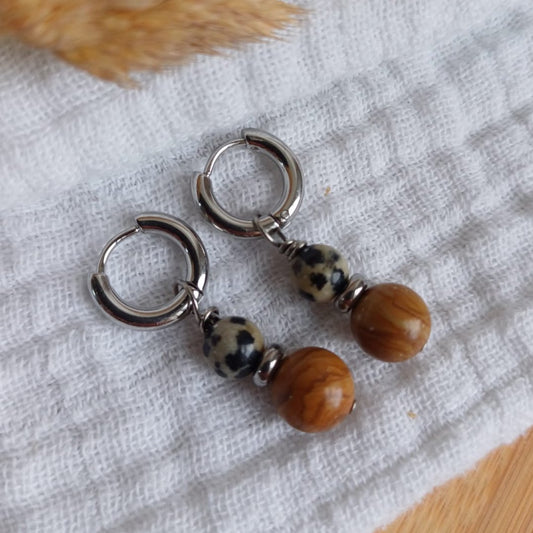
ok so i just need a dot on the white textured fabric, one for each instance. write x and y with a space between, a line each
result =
413 122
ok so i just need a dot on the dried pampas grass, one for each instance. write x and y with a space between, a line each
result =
112 38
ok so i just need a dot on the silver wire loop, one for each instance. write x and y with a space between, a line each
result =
271 231
181 305
194 294
203 319
291 198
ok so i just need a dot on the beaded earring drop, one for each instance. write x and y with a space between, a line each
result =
390 322
312 388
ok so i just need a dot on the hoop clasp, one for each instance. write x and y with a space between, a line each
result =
180 306
291 197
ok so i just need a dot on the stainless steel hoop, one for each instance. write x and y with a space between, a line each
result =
181 305
291 198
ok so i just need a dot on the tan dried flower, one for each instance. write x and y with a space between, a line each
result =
112 38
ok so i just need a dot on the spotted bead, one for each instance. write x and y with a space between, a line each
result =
234 346
320 272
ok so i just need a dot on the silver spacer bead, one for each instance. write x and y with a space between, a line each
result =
291 248
354 405
347 299
271 359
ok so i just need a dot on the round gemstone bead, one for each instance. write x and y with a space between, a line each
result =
391 322
234 346
320 272
313 389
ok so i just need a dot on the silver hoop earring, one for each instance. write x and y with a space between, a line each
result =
390 321
312 388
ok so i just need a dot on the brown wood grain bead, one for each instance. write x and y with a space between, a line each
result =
313 390
391 322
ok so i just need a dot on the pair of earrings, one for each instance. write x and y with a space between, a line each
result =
312 388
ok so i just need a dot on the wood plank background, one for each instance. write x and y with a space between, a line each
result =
496 497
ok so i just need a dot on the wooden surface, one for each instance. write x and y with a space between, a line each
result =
496 497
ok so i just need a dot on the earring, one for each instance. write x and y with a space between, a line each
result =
312 388
389 321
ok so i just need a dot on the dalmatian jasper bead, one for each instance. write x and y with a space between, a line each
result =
234 346
320 272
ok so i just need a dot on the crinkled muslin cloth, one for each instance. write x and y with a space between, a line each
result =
413 122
